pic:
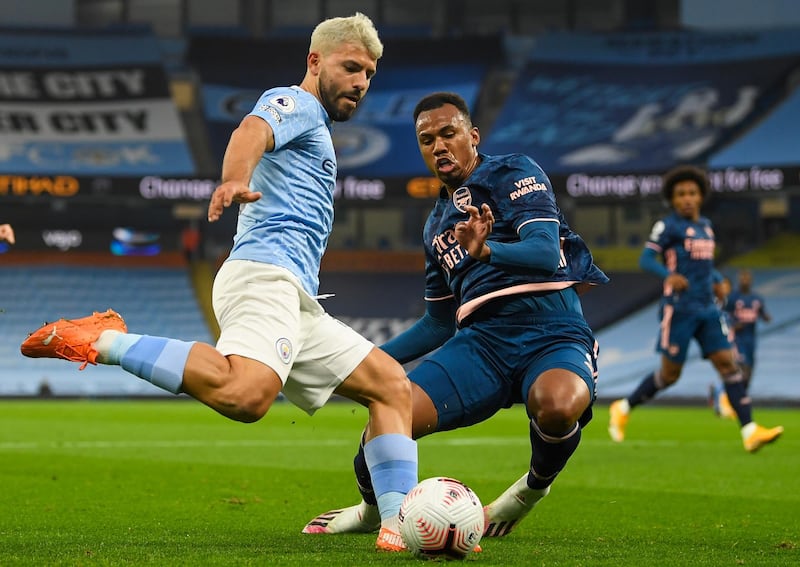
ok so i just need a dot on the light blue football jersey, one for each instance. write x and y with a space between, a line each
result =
289 226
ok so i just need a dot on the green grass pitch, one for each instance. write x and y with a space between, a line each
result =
172 483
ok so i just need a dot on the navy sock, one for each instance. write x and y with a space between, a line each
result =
646 389
737 396
747 373
549 454
363 479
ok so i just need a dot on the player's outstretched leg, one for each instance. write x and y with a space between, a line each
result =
72 339
510 507
392 462
359 519
364 517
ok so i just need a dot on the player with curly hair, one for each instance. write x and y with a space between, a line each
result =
685 242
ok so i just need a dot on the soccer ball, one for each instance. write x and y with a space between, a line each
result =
441 517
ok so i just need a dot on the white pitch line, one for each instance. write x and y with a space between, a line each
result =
189 443
186 443
9 446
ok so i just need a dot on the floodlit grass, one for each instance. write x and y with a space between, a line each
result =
617 258
172 483
779 252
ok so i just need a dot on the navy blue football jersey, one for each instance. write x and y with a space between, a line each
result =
687 248
518 192
745 310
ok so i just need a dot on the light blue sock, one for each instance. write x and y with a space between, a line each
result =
392 463
158 360
122 342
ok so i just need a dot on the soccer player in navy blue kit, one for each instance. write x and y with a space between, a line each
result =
504 269
280 167
685 242
746 308
717 396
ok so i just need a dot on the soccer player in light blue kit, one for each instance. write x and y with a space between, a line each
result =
685 241
504 269
280 166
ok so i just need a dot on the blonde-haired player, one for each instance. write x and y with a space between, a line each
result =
280 167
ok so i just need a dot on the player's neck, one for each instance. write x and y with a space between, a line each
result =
311 85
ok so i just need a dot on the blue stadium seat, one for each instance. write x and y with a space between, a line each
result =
158 301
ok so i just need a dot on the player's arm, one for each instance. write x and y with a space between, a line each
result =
429 332
537 251
763 313
247 144
649 260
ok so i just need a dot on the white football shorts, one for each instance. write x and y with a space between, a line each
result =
265 314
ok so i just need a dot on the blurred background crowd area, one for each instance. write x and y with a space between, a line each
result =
114 116
115 113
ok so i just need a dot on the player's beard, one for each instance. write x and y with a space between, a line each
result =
329 98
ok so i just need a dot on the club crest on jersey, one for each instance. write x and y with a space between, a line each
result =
462 197
285 103
284 348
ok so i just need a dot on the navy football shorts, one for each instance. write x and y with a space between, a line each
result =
490 365
747 351
678 328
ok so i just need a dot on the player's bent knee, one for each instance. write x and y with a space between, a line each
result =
379 379
558 416
251 410
396 390
247 399
558 406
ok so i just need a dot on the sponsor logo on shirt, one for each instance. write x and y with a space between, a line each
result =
448 251
525 186
698 248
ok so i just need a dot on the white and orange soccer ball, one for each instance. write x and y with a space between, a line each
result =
441 518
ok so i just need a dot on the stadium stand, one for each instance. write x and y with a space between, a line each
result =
559 81
627 349
155 300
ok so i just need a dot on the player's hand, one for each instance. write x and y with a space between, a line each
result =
677 282
7 233
228 193
473 232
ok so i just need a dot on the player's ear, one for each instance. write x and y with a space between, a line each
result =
313 61
476 136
